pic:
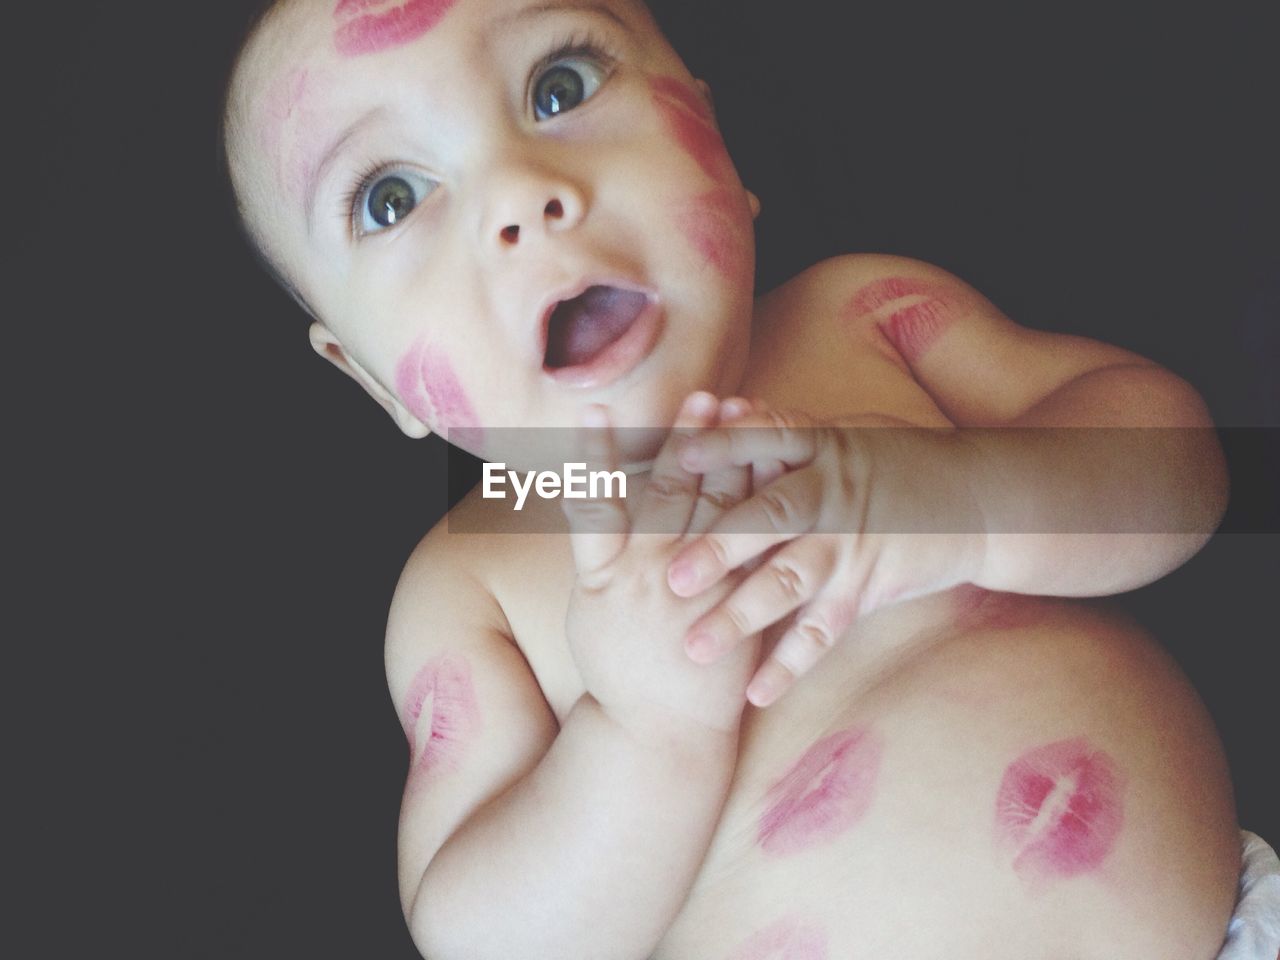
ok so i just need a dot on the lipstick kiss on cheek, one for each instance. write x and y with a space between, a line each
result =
828 790
369 26
441 717
1059 809
713 224
689 119
428 385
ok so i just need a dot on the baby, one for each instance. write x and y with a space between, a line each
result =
648 735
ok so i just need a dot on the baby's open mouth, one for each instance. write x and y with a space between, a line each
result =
580 329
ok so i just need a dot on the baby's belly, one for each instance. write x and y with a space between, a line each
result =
1010 778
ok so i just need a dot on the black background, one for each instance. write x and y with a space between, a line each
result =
221 518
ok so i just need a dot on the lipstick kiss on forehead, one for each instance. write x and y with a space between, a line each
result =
369 26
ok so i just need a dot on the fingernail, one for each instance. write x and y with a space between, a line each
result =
594 416
762 691
700 403
701 647
682 577
690 453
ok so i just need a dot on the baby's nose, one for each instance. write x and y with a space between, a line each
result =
528 204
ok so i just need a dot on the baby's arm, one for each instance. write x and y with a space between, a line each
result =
518 840
1167 487
521 841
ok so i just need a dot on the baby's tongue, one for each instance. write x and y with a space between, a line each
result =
580 328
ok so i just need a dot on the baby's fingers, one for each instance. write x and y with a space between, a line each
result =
665 505
724 489
782 511
814 633
761 437
597 526
791 578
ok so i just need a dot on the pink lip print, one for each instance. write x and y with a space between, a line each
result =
429 387
689 119
711 225
438 743
827 791
786 939
368 26
1059 808
912 326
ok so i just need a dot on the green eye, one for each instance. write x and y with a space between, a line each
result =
564 85
390 199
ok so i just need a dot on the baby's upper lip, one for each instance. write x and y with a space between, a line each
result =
548 304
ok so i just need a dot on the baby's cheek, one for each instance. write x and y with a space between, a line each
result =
428 385
712 224
370 26
690 122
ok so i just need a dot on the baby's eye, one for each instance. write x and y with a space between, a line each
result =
566 83
387 200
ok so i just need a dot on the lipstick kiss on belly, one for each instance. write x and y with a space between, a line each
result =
368 26
1059 809
785 939
441 717
827 791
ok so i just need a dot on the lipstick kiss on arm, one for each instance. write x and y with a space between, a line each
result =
441 717
911 313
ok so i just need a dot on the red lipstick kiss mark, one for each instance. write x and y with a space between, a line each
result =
913 326
439 739
787 939
976 608
690 121
828 790
369 26
716 223
1059 808
429 387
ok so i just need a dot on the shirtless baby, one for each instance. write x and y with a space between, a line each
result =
634 734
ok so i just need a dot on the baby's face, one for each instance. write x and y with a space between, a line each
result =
501 210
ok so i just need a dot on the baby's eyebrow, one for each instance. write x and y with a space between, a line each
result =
551 6
318 172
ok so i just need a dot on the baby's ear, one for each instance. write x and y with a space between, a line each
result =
704 88
326 344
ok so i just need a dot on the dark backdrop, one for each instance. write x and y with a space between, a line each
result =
223 517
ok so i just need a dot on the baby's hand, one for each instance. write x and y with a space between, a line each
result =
624 624
857 518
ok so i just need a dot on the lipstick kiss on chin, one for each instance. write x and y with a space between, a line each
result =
1059 809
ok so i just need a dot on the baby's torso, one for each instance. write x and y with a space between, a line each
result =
965 775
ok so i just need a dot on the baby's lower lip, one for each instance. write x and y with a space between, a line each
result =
620 357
